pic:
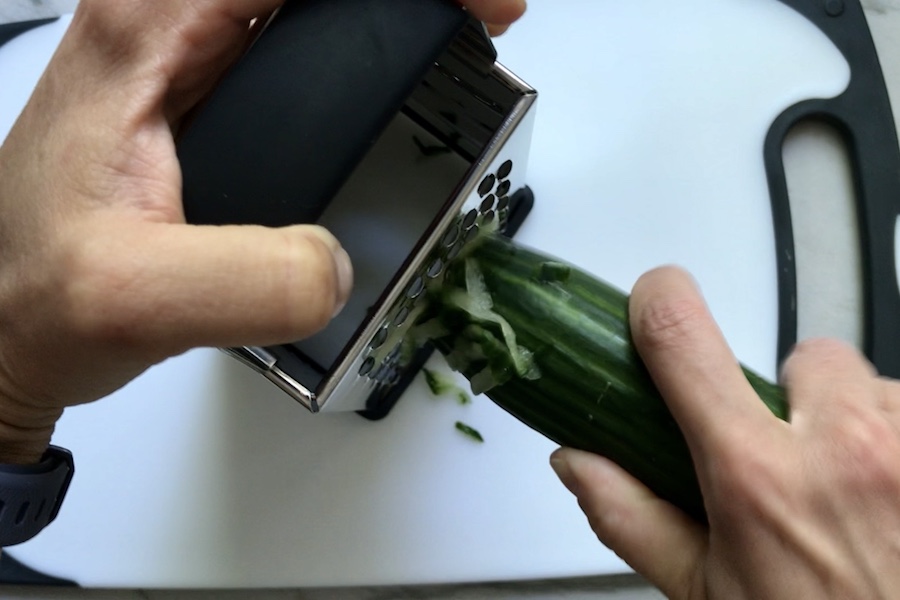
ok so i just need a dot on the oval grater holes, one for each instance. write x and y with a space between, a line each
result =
488 203
454 251
503 188
381 374
450 237
366 367
415 288
471 234
505 169
379 338
393 354
488 216
401 316
470 218
435 268
487 184
503 203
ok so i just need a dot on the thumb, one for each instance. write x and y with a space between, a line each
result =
656 539
175 287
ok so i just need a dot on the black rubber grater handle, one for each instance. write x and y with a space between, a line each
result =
293 118
862 114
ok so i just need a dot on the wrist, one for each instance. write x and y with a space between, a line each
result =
25 431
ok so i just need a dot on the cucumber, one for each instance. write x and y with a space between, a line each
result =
551 345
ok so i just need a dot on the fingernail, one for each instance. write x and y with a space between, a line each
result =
563 470
345 278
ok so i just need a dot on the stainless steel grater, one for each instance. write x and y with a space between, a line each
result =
391 123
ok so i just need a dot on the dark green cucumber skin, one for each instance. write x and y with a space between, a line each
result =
594 392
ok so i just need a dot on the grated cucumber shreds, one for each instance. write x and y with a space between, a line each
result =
476 301
441 385
471 432
428 330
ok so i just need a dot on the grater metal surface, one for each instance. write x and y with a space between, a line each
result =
447 161
367 366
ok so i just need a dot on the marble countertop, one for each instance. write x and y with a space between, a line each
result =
884 24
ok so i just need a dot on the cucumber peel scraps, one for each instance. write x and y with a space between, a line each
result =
441 385
469 431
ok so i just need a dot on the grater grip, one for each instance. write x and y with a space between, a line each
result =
293 118
862 115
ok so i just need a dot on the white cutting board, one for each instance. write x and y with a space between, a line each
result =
647 150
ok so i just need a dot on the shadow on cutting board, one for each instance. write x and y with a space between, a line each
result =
10 30
12 572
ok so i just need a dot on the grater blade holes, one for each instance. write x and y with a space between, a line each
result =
394 354
435 268
486 185
415 288
384 365
366 367
450 237
488 203
379 338
382 372
401 316
469 219
454 251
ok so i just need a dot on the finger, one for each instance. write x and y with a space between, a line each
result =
170 288
216 34
691 363
659 541
889 397
496 12
822 375
496 30
166 52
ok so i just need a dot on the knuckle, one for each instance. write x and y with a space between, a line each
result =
610 523
821 354
310 298
744 480
824 349
665 322
103 19
865 449
116 29
96 296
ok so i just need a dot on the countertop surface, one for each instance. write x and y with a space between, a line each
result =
884 23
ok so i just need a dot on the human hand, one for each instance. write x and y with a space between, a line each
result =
805 509
498 15
100 277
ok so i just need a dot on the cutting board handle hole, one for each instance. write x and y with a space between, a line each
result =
821 192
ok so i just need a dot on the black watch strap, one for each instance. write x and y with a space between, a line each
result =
30 495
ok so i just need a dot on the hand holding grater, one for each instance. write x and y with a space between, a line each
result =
389 122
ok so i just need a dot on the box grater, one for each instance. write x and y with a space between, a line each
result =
391 123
